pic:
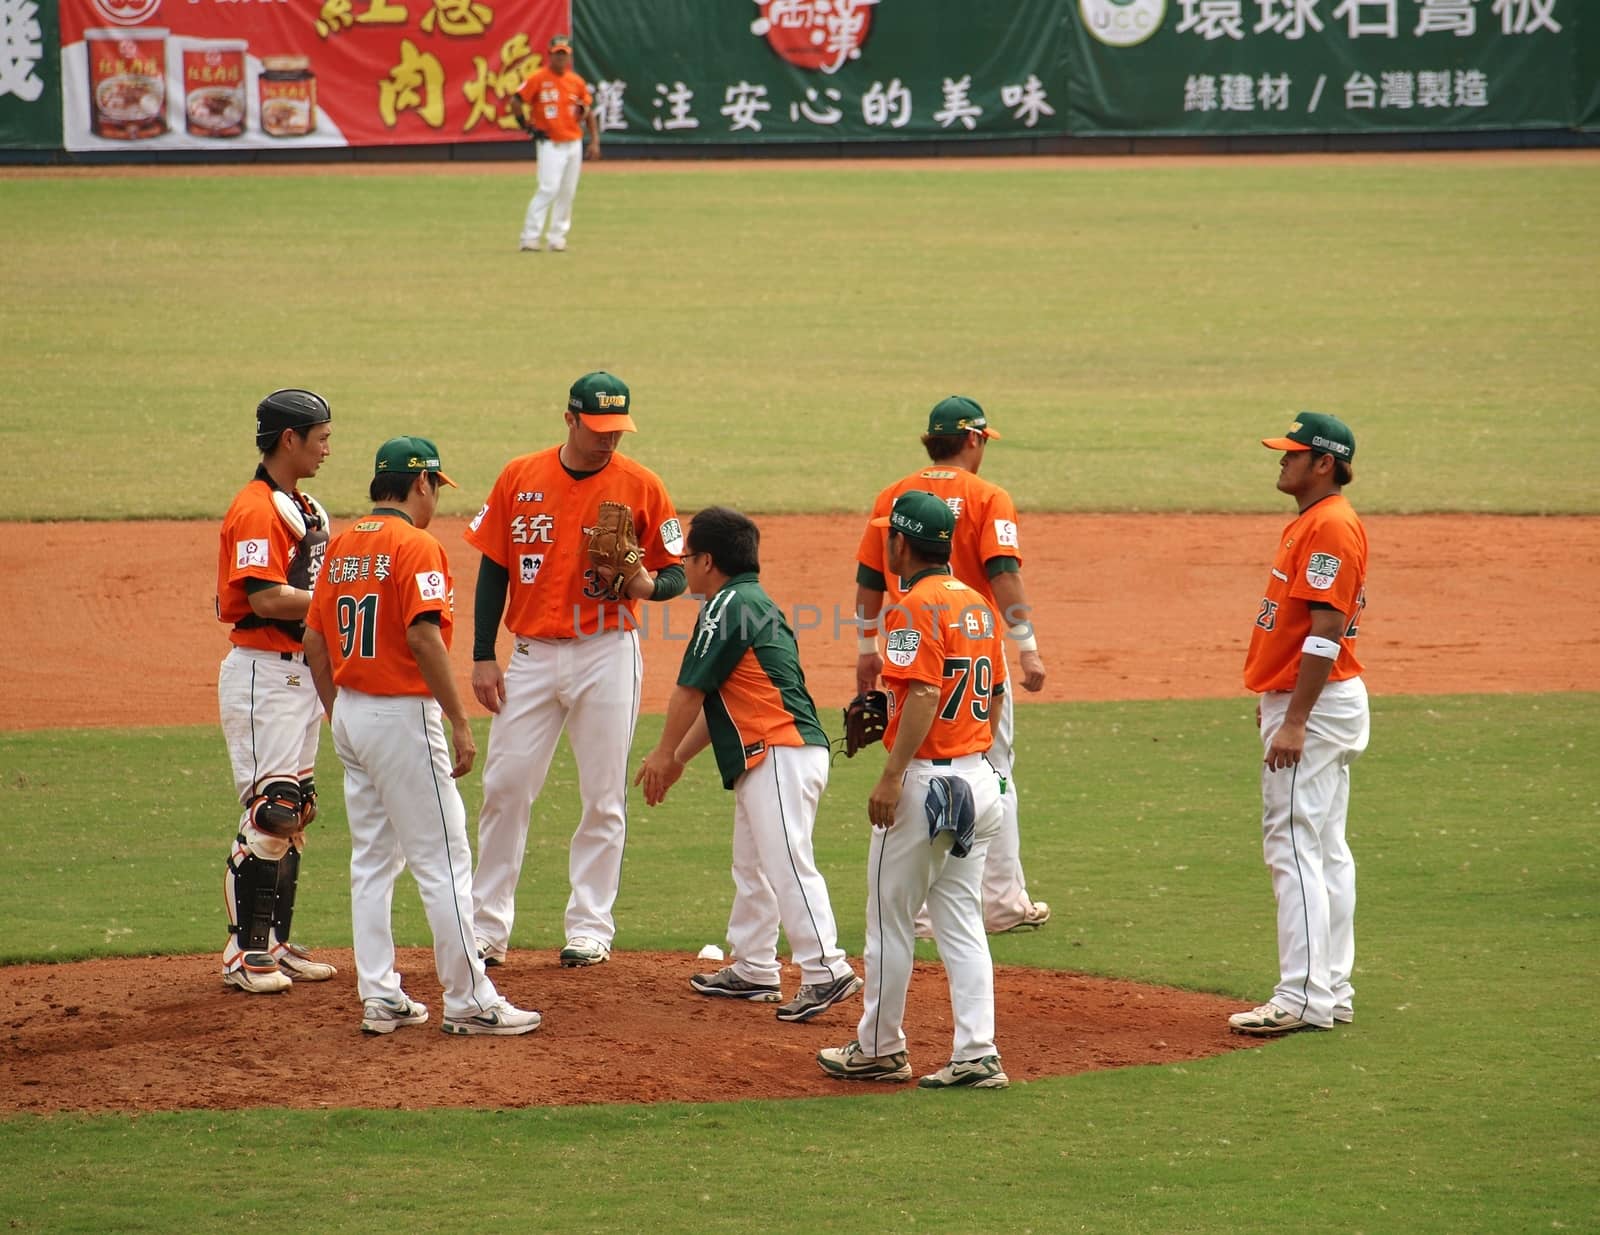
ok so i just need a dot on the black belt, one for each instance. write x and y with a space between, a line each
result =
941 763
291 656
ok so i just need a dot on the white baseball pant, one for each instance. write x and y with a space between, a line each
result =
775 876
405 811
590 687
559 164
271 722
1005 888
1303 841
903 870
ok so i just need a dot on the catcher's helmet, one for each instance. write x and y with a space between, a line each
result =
288 409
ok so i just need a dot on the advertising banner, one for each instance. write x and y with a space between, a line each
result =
30 87
227 74
763 71
1222 67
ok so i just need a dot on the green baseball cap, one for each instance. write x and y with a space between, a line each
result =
1316 431
560 42
409 456
920 516
603 401
958 414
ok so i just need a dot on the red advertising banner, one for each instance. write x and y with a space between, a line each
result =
226 74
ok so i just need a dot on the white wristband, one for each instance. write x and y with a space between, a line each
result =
1315 645
867 647
1022 634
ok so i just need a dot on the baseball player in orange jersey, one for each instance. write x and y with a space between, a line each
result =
741 691
269 554
936 808
986 557
1314 724
558 107
378 644
574 658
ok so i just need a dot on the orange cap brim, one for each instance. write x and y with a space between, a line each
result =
611 422
1283 443
445 480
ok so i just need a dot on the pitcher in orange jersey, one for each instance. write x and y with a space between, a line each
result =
936 808
984 555
378 644
555 105
1314 723
574 660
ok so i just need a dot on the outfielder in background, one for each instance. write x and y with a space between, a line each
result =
269 554
986 557
378 644
934 811
741 690
574 660
555 105
1314 723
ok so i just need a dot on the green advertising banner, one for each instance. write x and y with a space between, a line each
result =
1222 67
1587 76
30 76
761 71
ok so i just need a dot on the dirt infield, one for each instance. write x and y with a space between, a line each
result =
1128 607
164 1034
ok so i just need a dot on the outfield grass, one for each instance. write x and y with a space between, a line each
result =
1463 1098
784 329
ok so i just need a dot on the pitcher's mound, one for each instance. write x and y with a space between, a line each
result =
163 1033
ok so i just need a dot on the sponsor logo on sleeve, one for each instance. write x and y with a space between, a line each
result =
902 645
1005 531
478 518
672 537
430 585
249 553
1322 570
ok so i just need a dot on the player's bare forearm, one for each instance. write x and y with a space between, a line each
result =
321 666
696 740
916 720
1289 742
662 767
869 608
1011 599
433 662
281 602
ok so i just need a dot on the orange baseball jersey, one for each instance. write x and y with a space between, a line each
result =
943 632
533 525
986 527
1322 557
553 103
257 542
381 573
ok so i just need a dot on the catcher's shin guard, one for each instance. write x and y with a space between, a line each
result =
250 888
288 879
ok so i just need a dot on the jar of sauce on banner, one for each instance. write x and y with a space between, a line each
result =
288 96
213 87
127 82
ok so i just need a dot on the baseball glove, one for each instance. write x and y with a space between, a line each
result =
866 718
614 549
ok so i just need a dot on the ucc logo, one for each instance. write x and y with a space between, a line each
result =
1122 23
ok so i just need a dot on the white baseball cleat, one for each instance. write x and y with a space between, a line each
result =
502 1020
297 963
582 950
258 974
387 1015
1267 1021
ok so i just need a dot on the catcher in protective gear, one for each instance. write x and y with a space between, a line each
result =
866 719
614 551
